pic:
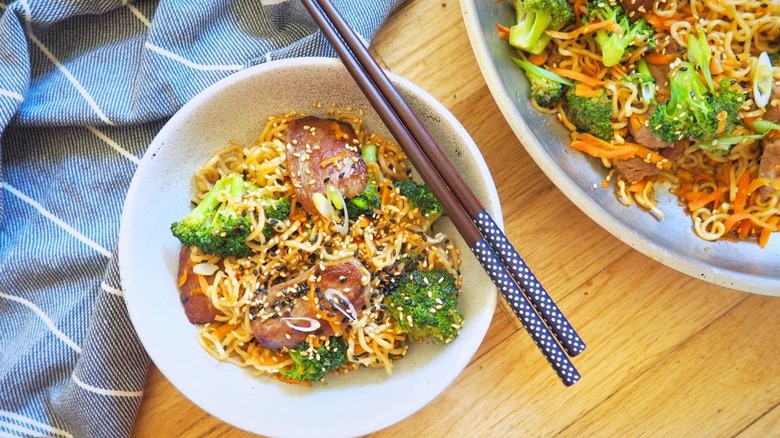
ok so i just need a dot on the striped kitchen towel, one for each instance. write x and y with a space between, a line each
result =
84 87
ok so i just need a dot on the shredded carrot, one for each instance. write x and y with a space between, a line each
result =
503 31
736 218
286 380
583 90
599 148
656 58
637 186
763 237
334 159
586 29
744 229
538 59
223 330
742 192
666 23
386 189
697 200
577 76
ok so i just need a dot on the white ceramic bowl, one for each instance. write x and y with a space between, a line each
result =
738 265
353 404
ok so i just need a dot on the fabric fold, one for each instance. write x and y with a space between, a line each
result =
84 88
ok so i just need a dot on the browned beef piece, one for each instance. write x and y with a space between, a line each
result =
196 304
638 128
635 8
769 166
286 302
322 152
773 111
635 169
675 151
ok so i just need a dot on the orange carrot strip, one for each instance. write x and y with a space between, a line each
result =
223 330
183 279
583 90
577 76
334 159
701 201
742 192
763 238
538 59
744 229
584 30
736 218
503 31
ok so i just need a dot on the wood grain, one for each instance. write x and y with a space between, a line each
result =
667 355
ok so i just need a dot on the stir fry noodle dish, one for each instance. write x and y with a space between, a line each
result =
667 95
311 251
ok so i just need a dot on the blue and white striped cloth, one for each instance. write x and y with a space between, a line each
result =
84 87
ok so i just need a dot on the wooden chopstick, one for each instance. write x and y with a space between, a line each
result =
368 75
510 258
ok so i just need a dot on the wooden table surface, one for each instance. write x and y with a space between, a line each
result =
668 355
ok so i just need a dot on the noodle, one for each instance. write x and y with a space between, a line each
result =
380 243
737 32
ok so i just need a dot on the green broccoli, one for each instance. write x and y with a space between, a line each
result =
692 111
699 54
546 87
215 227
615 44
313 363
534 17
367 202
420 196
275 210
590 113
425 305
645 80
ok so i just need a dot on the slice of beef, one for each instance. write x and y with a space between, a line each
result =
635 8
769 166
773 111
643 135
635 169
675 151
287 303
197 305
322 152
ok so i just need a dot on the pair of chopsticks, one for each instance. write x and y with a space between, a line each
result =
528 299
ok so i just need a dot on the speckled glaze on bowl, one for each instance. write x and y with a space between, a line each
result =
671 241
235 108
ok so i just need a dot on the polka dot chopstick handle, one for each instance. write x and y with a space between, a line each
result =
539 332
533 289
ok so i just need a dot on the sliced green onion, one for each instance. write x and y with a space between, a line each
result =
762 80
764 126
335 196
368 152
543 72
725 144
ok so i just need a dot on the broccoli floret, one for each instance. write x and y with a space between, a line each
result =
215 227
692 111
425 305
367 202
275 210
534 17
313 363
613 44
546 87
590 112
420 196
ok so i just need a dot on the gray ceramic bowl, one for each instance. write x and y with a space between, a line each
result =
671 241
353 404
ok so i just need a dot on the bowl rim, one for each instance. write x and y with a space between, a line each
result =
694 268
480 325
